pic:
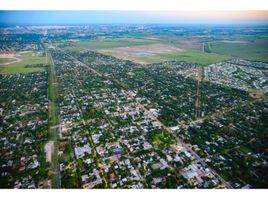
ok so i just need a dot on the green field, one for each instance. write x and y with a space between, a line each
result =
195 57
5 60
214 51
19 67
187 56
253 50
107 43
207 47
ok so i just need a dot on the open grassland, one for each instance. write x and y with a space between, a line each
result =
6 60
142 54
195 57
187 56
189 43
252 50
154 53
147 51
107 43
20 67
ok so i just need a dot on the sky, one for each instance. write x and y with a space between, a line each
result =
132 17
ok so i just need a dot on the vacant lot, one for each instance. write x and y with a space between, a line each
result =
29 58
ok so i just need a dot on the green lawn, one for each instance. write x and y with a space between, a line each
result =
19 67
253 50
195 57
107 43
5 60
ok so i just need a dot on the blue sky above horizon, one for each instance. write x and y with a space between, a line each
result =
132 17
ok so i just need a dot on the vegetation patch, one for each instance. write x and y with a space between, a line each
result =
6 60
161 138
30 63
106 43
207 48
195 57
253 50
